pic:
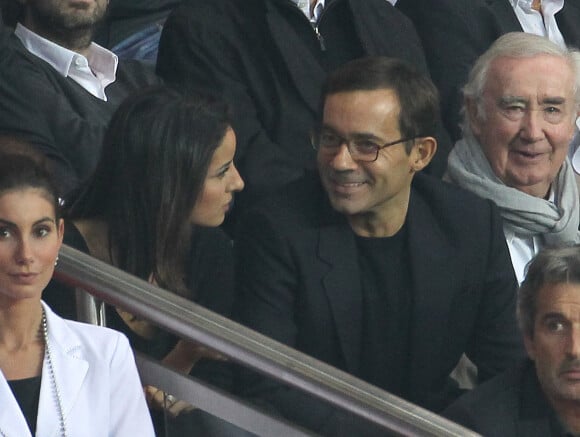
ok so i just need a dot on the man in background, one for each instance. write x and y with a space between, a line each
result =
521 103
540 398
58 89
455 33
269 59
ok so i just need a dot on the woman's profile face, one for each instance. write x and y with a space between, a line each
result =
221 182
30 238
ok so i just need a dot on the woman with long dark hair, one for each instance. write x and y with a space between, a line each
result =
164 184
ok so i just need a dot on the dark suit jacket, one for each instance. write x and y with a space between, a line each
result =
59 117
455 33
299 283
126 17
509 405
258 54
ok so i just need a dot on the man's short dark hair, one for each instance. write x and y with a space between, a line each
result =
551 266
418 97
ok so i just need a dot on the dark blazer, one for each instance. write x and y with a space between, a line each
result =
260 55
54 113
299 283
455 33
509 405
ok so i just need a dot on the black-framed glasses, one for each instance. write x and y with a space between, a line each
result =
364 150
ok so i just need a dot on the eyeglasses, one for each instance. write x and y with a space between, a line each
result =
363 150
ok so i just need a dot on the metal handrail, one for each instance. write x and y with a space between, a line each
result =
191 321
233 411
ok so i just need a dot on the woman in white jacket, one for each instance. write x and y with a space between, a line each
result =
57 377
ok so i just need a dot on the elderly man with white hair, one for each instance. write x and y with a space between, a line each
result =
520 106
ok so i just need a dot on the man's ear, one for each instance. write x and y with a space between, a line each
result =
422 153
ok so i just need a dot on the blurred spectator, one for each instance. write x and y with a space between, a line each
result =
58 90
132 28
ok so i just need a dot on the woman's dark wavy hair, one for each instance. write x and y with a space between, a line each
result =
22 167
155 157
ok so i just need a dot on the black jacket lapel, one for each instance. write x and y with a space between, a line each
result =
568 20
432 261
337 248
504 16
305 72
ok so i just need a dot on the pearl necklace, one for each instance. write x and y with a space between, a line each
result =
51 375
56 391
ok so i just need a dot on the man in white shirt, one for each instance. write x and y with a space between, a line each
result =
58 89
520 104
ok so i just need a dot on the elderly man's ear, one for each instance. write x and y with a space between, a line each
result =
422 153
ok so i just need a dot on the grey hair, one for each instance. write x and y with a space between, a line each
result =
557 265
513 45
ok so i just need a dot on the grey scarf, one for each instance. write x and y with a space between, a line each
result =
523 214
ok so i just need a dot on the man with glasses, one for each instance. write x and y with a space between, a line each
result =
269 59
372 267
521 103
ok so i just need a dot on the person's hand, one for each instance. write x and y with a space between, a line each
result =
159 400
181 358
186 354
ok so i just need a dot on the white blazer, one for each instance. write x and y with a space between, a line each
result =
99 386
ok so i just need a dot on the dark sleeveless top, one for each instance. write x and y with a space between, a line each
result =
27 393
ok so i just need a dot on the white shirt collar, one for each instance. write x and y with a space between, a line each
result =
522 250
546 4
549 7
304 6
100 62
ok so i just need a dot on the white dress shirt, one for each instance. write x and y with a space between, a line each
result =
542 24
93 72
